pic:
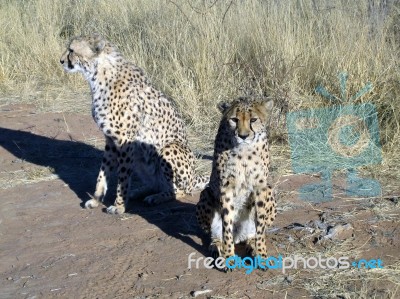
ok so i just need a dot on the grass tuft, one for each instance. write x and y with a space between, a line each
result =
202 52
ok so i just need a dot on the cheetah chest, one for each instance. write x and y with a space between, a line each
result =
245 169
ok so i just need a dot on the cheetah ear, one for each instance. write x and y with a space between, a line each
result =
98 43
223 106
269 105
266 106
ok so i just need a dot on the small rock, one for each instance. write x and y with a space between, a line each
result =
289 279
339 231
9 278
198 293
143 275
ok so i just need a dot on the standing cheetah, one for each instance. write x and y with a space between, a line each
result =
144 133
238 204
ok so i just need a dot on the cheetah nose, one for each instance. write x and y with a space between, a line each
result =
61 61
243 136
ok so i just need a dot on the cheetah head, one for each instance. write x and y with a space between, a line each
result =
82 54
246 119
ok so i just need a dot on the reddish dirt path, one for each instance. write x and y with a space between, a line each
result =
51 247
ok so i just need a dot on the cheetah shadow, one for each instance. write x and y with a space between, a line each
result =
77 165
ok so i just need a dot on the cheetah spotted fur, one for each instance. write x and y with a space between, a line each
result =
238 204
144 133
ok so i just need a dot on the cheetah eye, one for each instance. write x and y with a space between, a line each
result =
252 120
71 51
234 119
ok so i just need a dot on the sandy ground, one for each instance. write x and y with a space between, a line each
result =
51 247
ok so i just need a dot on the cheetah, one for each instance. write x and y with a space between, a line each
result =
238 204
144 134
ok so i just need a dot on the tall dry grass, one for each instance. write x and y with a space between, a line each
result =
201 52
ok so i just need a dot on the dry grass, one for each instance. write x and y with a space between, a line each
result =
28 175
202 52
346 284
340 283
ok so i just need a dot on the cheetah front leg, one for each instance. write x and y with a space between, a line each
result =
261 224
209 219
124 179
228 214
265 215
204 210
107 164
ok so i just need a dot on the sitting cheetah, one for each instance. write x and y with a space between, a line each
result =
238 204
144 133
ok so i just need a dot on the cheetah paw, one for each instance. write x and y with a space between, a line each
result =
115 210
227 269
91 203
